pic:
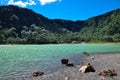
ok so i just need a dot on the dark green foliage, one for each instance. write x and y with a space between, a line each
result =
23 26
86 53
2 37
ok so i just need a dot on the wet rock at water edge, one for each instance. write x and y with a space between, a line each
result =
64 61
70 64
37 73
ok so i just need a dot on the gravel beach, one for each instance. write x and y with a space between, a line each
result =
100 61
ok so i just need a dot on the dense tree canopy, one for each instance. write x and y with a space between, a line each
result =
23 26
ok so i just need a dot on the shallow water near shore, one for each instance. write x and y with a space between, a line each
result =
22 60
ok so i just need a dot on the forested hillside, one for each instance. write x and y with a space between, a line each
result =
23 26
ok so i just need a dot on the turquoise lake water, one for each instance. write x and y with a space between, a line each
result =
22 60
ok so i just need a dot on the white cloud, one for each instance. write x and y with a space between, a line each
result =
21 4
43 2
31 2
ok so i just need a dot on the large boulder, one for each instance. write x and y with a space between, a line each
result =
64 61
87 68
37 73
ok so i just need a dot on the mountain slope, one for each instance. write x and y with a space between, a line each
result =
13 16
108 24
21 25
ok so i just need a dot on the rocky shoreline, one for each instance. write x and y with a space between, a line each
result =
100 62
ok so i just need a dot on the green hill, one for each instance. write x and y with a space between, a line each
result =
23 26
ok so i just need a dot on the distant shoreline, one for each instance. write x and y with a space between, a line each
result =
69 43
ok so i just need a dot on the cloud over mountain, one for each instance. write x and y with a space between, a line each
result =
29 2
21 3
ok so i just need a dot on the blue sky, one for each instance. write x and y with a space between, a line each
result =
67 9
